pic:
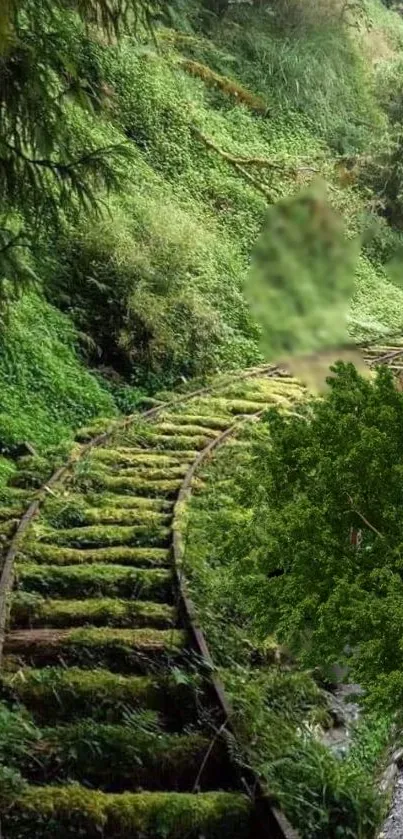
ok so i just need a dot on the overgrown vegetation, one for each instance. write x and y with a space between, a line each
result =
143 239
293 554
141 144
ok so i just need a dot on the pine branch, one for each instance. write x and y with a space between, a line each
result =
66 168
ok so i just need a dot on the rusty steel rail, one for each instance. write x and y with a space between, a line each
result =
7 573
270 823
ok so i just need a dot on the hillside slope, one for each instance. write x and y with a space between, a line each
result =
223 115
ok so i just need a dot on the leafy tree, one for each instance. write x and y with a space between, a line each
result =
50 58
320 558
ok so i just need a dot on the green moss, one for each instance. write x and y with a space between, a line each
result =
12 512
14 495
33 610
152 454
94 580
174 429
155 473
88 433
219 404
120 555
129 502
127 650
103 536
65 513
127 457
244 406
49 812
141 486
7 529
180 441
204 421
57 693
138 754
114 515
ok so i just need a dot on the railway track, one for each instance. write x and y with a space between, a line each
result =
101 646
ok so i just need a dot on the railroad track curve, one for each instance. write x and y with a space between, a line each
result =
101 645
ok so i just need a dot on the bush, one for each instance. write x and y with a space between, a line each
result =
156 294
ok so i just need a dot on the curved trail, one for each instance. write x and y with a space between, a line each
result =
102 644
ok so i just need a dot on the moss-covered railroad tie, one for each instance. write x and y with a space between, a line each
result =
98 653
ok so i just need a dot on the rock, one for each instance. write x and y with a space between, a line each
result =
388 777
397 757
393 826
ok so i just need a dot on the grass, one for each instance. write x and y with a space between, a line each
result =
138 754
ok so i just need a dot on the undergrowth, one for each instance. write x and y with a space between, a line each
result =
282 595
222 116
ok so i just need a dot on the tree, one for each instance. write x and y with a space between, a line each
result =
335 466
50 56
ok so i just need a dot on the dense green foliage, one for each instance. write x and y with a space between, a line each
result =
188 135
309 481
136 169
294 558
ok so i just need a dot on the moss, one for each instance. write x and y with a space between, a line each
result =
57 693
62 515
156 473
114 515
127 650
141 486
51 812
103 536
31 477
149 455
129 502
196 420
137 754
189 430
7 529
33 610
88 433
15 495
126 457
219 404
244 406
180 441
12 512
95 580
226 85
147 402
121 555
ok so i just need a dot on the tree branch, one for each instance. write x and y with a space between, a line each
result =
65 167
362 517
